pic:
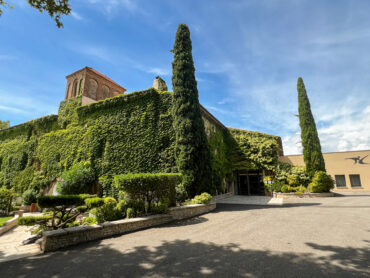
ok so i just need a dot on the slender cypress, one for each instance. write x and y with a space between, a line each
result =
192 150
310 140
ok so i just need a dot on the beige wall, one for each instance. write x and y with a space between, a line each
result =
339 164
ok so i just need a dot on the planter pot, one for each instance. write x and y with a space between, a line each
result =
34 208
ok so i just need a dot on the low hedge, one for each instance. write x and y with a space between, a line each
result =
62 200
94 202
149 187
33 220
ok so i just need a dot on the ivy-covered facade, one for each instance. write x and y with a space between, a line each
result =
131 133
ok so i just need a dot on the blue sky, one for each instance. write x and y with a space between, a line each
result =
248 56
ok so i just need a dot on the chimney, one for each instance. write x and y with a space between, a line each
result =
159 84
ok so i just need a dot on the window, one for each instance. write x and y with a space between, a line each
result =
355 180
340 181
93 87
75 83
105 92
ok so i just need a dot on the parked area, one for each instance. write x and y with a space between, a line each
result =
321 237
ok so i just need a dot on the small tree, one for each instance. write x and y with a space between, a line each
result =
192 151
310 140
64 210
6 199
4 124
55 8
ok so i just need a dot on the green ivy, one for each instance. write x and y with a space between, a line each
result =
131 133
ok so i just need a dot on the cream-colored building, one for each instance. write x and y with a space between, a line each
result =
350 170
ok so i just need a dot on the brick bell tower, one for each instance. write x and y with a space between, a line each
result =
91 85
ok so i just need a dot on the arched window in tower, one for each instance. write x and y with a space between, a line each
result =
74 92
105 92
67 92
93 87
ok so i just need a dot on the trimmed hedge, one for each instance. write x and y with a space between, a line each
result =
149 187
94 202
61 200
33 220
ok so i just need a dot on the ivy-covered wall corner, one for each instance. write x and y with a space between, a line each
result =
67 113
258 150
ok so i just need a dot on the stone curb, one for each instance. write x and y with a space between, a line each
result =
54 240
304 195
10 224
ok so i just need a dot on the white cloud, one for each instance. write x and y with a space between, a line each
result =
76 15
112 6
12 109
158 71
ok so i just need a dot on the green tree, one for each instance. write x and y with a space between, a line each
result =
310 140
55 8
192 151
4 124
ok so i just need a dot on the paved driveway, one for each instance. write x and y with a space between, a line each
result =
316 238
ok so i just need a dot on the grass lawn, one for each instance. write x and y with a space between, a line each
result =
3 219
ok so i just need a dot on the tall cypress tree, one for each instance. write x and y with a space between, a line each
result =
192 150
310 140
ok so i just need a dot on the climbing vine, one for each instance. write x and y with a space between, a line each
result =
130 133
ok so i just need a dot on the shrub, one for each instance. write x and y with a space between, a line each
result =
321 182
292 175
6 199
203 198
122 207
130 213
181 193
94 202
29 197
277 185
284 189
34 220
78 179
88 221
148 187
64 209
60 201
107 211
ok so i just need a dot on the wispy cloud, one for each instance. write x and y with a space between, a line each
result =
112 6
12 109
158 71
76 15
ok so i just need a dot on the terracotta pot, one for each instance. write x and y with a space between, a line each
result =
34 208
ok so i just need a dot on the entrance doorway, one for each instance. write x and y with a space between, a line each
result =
249 182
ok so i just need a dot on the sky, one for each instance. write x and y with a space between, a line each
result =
247 54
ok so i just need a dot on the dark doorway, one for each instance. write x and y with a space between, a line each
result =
249 182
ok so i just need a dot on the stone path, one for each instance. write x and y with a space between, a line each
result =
11 247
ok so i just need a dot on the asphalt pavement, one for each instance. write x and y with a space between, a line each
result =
323 237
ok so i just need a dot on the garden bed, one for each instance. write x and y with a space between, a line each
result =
53 240
303 195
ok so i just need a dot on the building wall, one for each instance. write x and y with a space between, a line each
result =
340 163
92 85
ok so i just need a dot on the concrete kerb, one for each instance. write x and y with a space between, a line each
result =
10 224
303 195
54 240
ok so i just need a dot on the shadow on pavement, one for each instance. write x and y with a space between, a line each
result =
182 258
240 207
